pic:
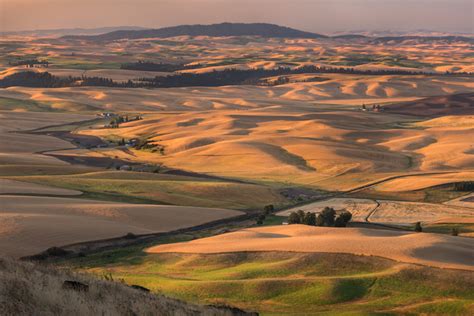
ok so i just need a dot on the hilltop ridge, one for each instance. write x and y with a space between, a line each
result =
221 29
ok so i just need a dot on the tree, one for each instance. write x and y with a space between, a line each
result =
339 222
294 218
319 220
418 227
301 215
268 208
310 219
346 216
328 214
454 231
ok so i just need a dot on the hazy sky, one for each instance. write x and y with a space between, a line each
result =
322 16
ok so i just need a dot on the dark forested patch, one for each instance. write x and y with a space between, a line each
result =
208 79
151 66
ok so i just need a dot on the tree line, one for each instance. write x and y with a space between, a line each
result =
464 186
208 79
327 217
47 80
29 62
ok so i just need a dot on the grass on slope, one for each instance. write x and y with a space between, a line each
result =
10 104
463 229
288 283
18 170
168 189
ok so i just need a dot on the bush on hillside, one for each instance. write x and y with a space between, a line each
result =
418 227
268 209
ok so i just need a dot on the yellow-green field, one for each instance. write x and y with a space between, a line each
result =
168 189
288 283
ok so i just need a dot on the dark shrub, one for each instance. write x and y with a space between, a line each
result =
140 288
130 236
75 285
418 227
56 252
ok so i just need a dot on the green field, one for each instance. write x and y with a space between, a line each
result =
73 62
168 189
287 283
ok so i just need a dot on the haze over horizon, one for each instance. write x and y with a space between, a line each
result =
319 16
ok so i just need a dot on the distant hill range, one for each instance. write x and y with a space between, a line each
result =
222 29
250 29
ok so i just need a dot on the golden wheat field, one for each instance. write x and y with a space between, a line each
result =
307 144
426 249
30 224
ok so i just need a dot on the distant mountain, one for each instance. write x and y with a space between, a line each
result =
222 29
